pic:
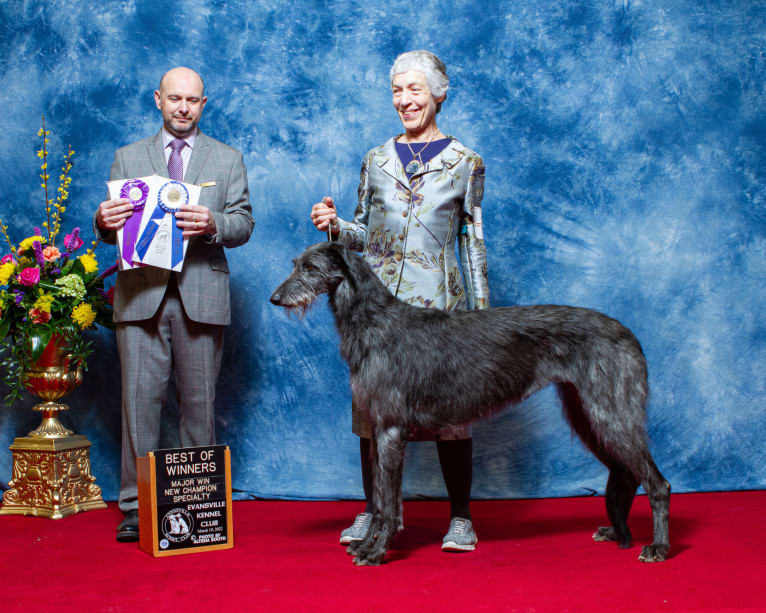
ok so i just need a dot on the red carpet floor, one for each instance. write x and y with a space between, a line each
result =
533 555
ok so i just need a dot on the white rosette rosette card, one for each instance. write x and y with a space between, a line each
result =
138 191
160 241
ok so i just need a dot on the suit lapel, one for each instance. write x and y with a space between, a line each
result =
445 159
388 161
156 154
198 158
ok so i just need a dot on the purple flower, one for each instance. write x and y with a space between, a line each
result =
38 232
39 253
72 241
19 296
56 271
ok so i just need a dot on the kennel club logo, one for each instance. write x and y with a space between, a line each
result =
177 525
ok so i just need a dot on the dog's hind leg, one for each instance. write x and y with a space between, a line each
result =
391 443
622 483
620 490
658 491
614 431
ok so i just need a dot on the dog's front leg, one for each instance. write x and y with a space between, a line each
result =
387 491
374 529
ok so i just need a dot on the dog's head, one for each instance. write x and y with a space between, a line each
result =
320 269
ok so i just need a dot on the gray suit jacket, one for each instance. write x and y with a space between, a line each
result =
204 280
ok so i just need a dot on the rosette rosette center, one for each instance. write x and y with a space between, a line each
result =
172 196
136 191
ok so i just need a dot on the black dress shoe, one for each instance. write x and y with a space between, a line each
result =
127 531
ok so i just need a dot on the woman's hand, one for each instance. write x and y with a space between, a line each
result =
323 216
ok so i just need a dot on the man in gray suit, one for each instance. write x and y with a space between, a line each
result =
165 318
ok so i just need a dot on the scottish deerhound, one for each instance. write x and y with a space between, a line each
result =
426 368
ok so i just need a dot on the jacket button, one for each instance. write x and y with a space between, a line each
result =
404 213
398 257
401 237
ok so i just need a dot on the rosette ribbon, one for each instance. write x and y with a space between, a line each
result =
137 192
173 192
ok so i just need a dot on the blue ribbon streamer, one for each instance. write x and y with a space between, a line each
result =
177 239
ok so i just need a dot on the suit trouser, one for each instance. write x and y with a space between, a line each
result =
148 350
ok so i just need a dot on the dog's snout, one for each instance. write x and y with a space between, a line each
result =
276 298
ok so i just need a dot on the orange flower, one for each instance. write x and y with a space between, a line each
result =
39 317
51 253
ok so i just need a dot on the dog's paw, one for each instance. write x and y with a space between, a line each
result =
654 553
353 548
604 534
369 558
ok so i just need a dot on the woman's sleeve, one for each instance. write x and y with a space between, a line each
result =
353 234
473 252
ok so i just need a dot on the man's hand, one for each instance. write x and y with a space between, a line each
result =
111 214
195 220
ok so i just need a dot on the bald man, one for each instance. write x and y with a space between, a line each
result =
166 319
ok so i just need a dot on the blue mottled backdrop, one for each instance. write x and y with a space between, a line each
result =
624 144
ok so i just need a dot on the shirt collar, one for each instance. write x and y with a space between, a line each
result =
167 137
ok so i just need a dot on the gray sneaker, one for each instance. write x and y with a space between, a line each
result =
460 536
357 530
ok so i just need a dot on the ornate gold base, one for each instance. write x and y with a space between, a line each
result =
51 477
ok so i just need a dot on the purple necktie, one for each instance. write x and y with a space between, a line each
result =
175 163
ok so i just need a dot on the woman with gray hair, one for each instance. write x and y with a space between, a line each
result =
419 194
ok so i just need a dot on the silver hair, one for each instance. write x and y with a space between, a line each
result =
427 63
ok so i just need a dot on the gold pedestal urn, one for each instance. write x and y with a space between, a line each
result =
51 465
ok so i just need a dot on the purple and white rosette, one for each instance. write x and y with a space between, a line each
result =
137 192
171 197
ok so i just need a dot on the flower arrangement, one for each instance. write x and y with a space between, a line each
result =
45 290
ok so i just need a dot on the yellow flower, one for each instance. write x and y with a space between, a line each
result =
83 315
89 263
27 242
6 270
44 302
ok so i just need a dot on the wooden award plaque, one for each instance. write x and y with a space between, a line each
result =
184 500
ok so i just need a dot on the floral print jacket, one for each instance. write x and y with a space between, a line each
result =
406 229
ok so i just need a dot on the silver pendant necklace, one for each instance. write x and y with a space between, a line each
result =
416 164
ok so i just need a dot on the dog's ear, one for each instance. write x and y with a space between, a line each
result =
339 255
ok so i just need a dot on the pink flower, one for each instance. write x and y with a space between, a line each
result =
29 276
6 259
51 253
39 317
72 241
